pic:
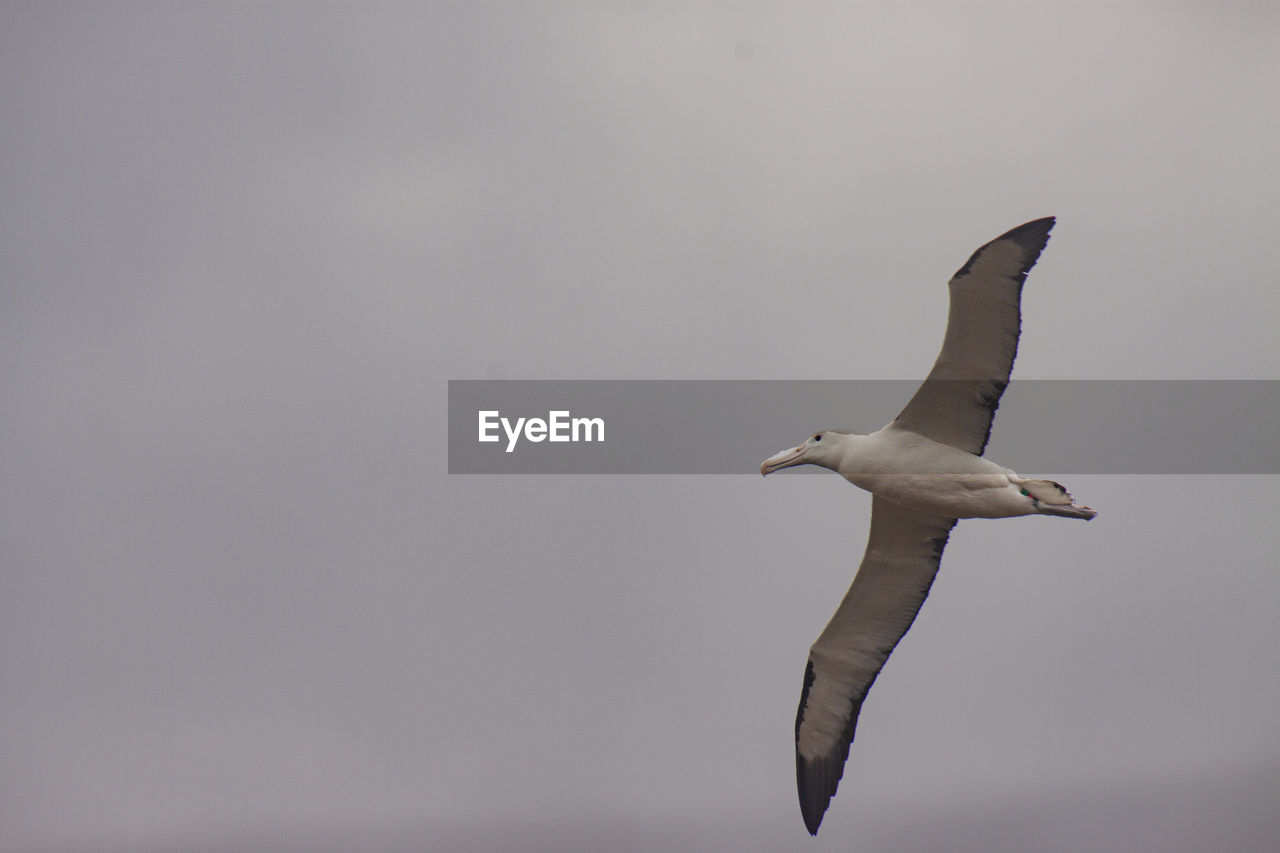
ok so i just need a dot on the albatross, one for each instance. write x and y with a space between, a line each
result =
924 470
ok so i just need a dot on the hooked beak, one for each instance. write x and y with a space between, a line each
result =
785 459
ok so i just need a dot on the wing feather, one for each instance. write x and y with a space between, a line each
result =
958 399
902 556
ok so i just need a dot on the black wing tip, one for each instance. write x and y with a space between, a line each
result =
813 821
1032 236
813 781
817 779
817 785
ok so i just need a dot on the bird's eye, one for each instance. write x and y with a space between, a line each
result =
818 437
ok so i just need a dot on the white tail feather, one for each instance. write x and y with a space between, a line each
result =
1052 499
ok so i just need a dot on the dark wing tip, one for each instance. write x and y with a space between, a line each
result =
1032 236
818 778
817 785
813 781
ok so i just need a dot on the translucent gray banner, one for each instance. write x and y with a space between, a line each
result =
1044 427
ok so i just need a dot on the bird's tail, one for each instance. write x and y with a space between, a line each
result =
1072 511
1053 499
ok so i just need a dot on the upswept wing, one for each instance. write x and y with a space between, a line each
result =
958 399
903 552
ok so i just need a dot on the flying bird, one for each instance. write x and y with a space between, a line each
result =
924 470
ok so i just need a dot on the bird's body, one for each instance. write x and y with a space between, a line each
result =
919 473
925 471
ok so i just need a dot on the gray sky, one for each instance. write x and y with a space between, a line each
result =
244 247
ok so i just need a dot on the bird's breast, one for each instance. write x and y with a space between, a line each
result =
914 472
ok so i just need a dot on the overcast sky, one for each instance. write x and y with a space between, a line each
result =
244 246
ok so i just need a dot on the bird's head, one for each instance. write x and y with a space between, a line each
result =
822 448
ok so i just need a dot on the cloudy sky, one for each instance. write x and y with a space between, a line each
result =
244 247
